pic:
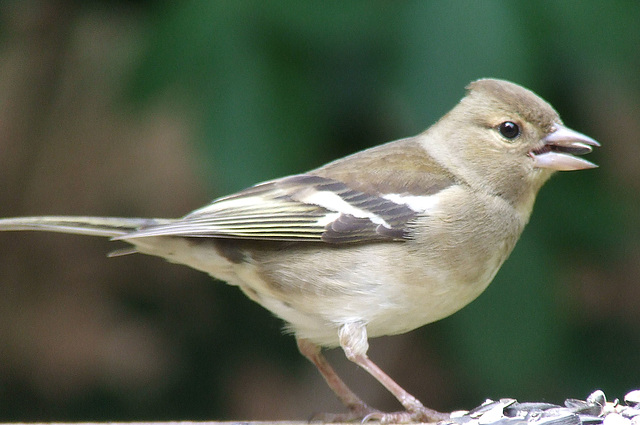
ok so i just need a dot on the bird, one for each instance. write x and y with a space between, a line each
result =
380 242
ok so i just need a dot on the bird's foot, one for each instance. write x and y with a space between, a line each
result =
366 414
423 415
357 413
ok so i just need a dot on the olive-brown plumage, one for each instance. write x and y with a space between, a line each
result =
377 243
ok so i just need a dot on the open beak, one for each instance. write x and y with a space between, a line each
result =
559 150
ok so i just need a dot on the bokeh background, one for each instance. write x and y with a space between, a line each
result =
153 108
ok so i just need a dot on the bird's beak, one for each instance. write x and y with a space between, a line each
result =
559 149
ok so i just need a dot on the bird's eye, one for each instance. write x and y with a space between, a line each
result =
509 129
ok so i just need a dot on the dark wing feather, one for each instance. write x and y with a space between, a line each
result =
297 208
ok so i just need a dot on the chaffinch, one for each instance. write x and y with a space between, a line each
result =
378 243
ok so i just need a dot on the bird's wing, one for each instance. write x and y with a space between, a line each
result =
298 208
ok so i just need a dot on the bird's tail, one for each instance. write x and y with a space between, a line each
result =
92 226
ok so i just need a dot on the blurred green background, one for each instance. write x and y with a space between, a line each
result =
153 108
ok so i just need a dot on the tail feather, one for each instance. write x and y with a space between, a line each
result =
92 226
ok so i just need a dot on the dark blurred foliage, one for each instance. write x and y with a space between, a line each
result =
152 108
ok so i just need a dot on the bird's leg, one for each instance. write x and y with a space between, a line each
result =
358 408
353 340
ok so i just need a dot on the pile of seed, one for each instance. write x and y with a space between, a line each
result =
595 410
